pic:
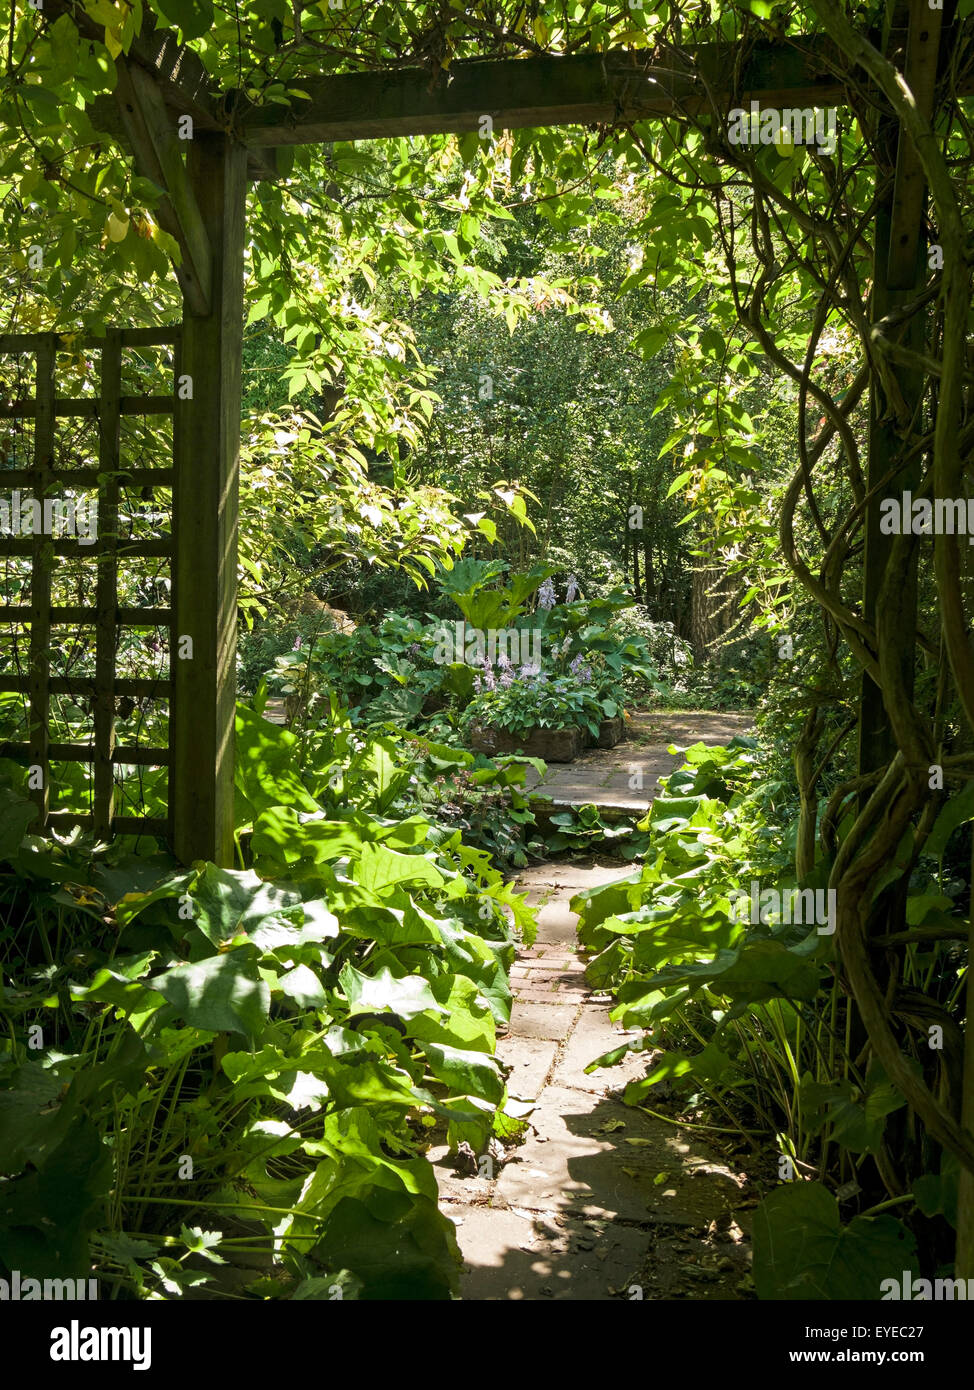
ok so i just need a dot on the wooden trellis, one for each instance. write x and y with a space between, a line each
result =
104 476
161 82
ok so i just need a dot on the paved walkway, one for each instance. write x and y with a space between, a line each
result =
605 776
601 1201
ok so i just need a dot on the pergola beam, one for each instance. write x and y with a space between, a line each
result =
516 93
584 89
153 140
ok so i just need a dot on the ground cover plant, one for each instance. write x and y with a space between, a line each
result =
229 1076
726 959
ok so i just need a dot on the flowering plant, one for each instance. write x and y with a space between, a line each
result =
585 641
523 698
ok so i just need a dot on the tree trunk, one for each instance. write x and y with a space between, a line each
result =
650 573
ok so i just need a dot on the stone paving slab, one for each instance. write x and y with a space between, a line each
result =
513 1255
531 1060
580 1158
569 1159
555 981
556 923
603 777
540 994
594 1034
546 958
533 1020
573 874
600 1196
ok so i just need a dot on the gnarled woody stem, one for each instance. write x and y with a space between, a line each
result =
896 800
948 478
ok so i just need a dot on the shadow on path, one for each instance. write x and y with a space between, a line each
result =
601 1201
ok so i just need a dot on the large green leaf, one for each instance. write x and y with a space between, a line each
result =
856 1120
936 1193
230 901
47 1213
760 970
468 1021
466 1073
380 868
264 771
378 765
131 904
958 810
303 987
283 838
383 993
400 1246
278 933
223 993
374 1215
193 17
31 1122
16 813
802 1250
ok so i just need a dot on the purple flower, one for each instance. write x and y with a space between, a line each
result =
572 589
546 595
297 644
478 685
581 672
488 677
507 679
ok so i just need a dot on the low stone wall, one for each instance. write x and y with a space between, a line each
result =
553 745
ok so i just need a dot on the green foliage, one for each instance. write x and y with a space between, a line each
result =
579 661
802 1251
742 1013
582 829
718 402
290 1030
536 701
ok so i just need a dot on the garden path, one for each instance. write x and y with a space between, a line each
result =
602 1200
604 776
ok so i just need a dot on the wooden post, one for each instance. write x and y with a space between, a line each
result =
207 445
42 554
106 589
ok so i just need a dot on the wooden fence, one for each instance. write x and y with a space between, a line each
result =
105 475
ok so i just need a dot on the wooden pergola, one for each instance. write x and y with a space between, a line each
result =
205 182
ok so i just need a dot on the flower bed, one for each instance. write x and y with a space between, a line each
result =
553 745
611 732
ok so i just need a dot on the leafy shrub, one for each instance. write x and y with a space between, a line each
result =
214 1067
535 700
747 1016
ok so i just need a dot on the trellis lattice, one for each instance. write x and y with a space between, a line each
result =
85 454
